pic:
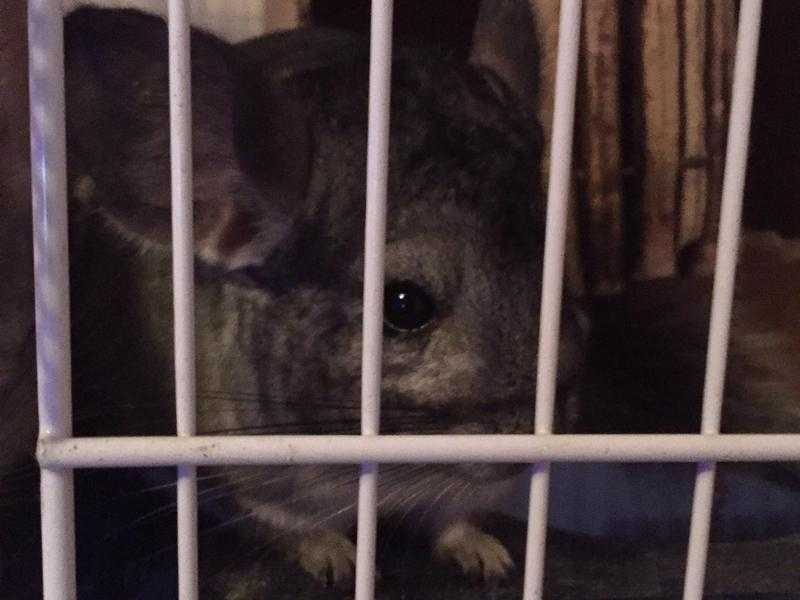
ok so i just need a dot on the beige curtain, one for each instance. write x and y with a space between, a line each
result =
650 132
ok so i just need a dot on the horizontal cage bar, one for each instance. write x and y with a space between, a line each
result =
396 449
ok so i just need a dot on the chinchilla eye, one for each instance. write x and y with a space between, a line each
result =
406 306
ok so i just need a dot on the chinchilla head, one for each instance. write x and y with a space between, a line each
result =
279 135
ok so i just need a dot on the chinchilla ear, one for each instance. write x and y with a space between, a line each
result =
504 41
250 144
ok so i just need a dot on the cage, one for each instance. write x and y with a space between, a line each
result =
59 452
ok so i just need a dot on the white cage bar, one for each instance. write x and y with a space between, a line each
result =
380 69
353 449
552 282
51 271
58 452
180 117
724 276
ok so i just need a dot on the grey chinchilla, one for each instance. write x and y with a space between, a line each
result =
279 139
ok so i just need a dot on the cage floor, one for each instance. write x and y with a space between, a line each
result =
577 567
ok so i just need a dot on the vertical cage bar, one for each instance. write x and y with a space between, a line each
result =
557 204
180 113
380 71
51 272
724 277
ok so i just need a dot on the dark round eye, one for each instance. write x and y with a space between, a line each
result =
406 306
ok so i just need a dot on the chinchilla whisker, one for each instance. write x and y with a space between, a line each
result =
266 399
237 518
411 501
163 509
342 478
334 514
407 418
237 482
204 496
398 490
432 504
172 484
462 491
247 514
328 425
410 494
278 428
390 481
225 489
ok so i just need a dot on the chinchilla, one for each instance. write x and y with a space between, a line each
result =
279 145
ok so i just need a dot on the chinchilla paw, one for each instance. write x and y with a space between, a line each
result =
479 554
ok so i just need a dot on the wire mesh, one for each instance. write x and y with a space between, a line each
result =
59 452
